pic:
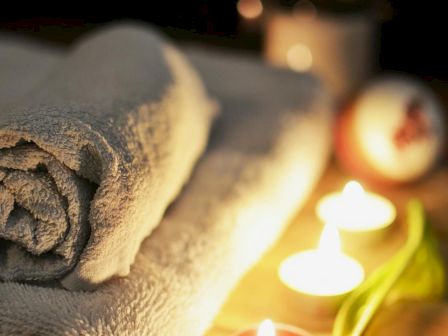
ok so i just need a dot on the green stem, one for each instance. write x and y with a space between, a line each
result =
360 307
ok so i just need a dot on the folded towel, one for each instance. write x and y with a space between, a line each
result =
92 156
268 149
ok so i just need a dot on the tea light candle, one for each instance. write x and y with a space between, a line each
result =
325 271
355 210
268 328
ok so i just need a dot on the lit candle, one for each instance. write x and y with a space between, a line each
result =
355 210
325 271
268 328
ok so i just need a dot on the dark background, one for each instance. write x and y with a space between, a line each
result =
413 34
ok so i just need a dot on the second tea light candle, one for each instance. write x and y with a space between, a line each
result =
356 211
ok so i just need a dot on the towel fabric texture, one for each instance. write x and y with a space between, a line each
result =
267 150
92 156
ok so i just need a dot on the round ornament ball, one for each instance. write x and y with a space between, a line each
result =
393 132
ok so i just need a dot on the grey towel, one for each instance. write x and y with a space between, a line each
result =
92 156
267 151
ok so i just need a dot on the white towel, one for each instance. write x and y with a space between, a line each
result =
267 151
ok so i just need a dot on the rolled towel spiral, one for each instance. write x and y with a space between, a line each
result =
44 208
91 158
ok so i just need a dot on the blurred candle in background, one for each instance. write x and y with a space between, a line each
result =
334 39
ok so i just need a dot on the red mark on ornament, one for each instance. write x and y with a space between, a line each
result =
415 126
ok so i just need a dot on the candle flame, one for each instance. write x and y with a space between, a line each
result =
353 190
266 328
330 242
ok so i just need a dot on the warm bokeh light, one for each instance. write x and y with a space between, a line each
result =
250 9
299 57
266 328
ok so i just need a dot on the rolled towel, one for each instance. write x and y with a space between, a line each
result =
267 151
92 156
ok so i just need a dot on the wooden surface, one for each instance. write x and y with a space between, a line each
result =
261 295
